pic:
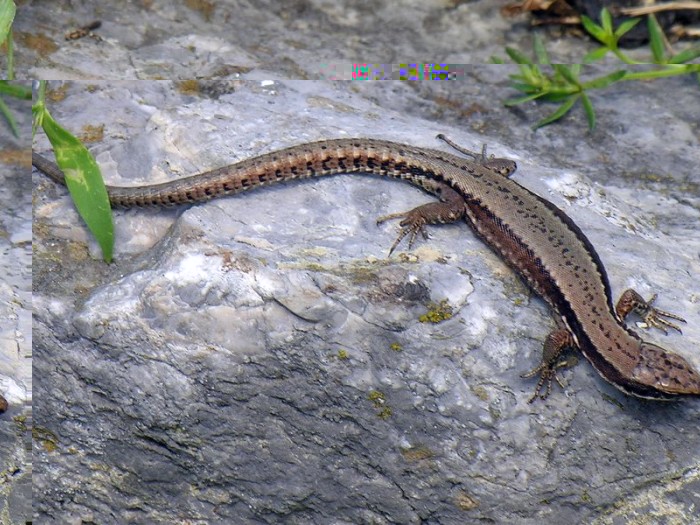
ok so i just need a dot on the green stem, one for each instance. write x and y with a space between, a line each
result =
624 58
670 70
38 107
42 91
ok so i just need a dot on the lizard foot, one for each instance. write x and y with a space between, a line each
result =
548 373
631 301
413 223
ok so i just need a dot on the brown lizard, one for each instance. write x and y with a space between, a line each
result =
532 235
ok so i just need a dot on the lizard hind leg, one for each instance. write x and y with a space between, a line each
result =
451 208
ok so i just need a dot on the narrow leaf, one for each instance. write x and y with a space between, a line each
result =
10 119
530 74
588 109
567 73
7 15
559 113
15 90
606 21
540 51
626 26
656 39
603 82
556 96
38 107
525 88
10 45
685 56
521 100
596 54
84 182
517 57
593 29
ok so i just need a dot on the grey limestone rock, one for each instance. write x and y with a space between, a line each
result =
260 358
15 318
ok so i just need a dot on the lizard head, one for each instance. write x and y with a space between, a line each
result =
665 374
505 167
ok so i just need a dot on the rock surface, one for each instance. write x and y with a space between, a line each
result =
203 39
15 318
260 359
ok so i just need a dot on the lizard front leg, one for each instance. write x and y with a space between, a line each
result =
554 346
631 301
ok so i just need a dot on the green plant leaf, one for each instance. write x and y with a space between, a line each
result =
685 56
567 73
517 57
596 54
593 29
84 182
38 107
521 100
10 46
556 96
7 15
523 80
626 26
36 122
588 109
603 82
559 113
525 88
531 74
606 21
656 39
15 90
10 119
540 51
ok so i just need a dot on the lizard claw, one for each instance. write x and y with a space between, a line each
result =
655 317
411 225
632 301
548 373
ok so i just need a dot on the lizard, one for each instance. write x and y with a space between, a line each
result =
534 237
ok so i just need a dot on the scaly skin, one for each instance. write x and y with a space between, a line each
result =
533 236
